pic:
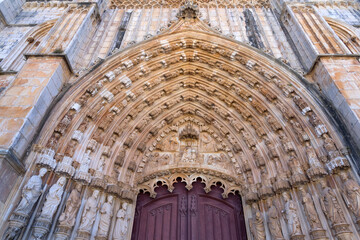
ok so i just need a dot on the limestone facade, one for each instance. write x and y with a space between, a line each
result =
103 99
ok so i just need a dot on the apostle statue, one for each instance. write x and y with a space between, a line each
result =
30 193
330 204
67 218
274 222
310 210
121 226
53 198
292 217
89 213
106 213
351 194
257 225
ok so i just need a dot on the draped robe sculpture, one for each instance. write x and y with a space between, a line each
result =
106 213
257 226
121 226
89 213
274 222
30 193
292 217
67 218
53 199
351 194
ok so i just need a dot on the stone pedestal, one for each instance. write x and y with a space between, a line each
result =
62 232
16 223
83 235
318 234
342 231
297 237
41 227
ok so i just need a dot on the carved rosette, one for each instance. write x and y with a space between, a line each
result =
46 158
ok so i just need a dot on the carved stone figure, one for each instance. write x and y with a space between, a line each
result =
89 213
292 217
189 155
310 210
330 204
351 194
121 225
53 199
106 213
30 193
274 222
257 226
72 204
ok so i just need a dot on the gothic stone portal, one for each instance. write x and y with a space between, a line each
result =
189 215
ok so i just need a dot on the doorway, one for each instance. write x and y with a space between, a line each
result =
189 215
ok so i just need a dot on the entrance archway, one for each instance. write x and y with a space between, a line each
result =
190 102
189 214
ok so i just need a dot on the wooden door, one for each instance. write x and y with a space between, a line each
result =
188 215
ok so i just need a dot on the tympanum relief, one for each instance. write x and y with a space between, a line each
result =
188 145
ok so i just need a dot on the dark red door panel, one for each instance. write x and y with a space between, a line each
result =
188 215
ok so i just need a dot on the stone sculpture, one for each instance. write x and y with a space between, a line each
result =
67 218
292 217
89 214
310 210
30 194
274 222
330 204
121 226
351 195
257 225
106 213
53 199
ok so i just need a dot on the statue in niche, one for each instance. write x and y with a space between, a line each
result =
330 204
122 223
106 213
67 218
351 194
274 222
310 209
89 213
257 225
30 193
189 155
53 198
292 217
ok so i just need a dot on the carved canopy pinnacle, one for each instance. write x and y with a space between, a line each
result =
189 10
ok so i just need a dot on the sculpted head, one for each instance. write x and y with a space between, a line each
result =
95 193
42 172
124 205
286 196
78 187
61 181
344 175
323 183
110 198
